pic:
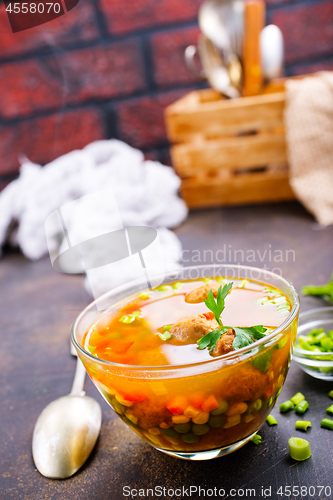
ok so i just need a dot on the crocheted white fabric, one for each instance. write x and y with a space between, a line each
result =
145 193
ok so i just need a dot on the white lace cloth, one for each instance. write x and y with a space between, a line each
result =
145 193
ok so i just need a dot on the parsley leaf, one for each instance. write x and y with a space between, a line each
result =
218 306
210 339
246 336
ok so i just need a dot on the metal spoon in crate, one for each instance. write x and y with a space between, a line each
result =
222 79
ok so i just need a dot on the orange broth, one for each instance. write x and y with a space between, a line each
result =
210 408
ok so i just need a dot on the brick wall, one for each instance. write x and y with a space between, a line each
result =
108 68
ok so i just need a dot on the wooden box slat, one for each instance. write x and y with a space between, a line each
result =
242 189
219 145
234 153
211 119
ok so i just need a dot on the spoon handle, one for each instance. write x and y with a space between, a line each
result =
78 382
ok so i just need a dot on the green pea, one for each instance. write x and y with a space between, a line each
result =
171 433
254 406
282 343
200 429
118 405
216 420
258 404
182 428
222 408
190 438
128 421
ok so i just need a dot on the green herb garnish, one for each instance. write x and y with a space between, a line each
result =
243 336
325 291
299 448
256 439
165 336
302 425
327 423
247 336
262 362
217 306
271 420
210 339
274 297
129 318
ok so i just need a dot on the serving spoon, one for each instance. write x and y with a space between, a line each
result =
66 431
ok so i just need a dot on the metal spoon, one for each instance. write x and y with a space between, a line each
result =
222 23
213 67
66 431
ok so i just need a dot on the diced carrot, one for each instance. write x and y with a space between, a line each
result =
197 400
119 346
164 425
210 404
134 396
177 405
269 392
208 315
99 341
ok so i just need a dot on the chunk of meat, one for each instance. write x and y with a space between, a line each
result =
224 344
151 412
189 329
199 294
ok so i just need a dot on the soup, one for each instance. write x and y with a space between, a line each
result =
216 397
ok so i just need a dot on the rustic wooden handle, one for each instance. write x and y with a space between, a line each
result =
254 22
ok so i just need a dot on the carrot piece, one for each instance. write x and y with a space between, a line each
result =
210 404
134 396
208 315
119 346
177 405
197 400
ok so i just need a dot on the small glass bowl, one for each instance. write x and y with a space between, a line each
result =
319 365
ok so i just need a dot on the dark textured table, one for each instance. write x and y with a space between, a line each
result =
38 306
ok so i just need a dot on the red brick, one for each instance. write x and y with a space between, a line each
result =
278 2
141 120
307 30
168 56
76 25
27 87
139 14
101 72
308 69
44 139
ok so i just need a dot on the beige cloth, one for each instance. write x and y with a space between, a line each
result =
309 132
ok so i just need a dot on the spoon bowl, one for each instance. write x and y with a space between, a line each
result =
66 431
65 435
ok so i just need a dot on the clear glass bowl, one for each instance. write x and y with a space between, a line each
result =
246 382
319 365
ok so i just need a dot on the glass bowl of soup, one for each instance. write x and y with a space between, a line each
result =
140 347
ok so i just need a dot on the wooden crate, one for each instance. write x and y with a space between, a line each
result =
230 152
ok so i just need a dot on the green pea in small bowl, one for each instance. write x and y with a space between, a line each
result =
314 353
